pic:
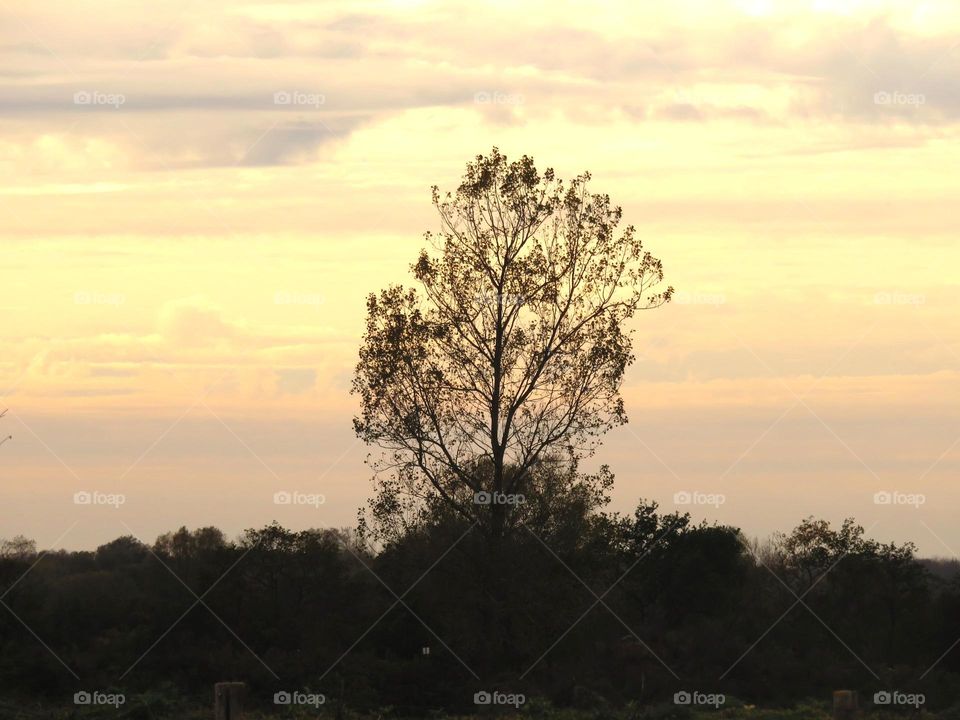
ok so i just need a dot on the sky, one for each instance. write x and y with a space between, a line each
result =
198 196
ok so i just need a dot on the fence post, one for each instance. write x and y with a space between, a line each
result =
228 700
845 704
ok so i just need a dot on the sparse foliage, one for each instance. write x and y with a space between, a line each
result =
512 351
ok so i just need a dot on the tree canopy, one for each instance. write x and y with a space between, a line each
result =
510 352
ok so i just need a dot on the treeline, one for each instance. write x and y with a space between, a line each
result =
584 609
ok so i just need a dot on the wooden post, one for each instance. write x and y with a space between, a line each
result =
845 704
228 700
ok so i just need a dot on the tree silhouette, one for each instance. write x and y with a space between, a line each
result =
512 351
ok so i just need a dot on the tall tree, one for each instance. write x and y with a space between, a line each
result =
512 352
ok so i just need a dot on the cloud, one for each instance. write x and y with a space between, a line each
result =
199 83
192 322
295 381
296 142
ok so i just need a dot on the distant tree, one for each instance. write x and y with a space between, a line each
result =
830 568
512 352
19 548
126 550
814 547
